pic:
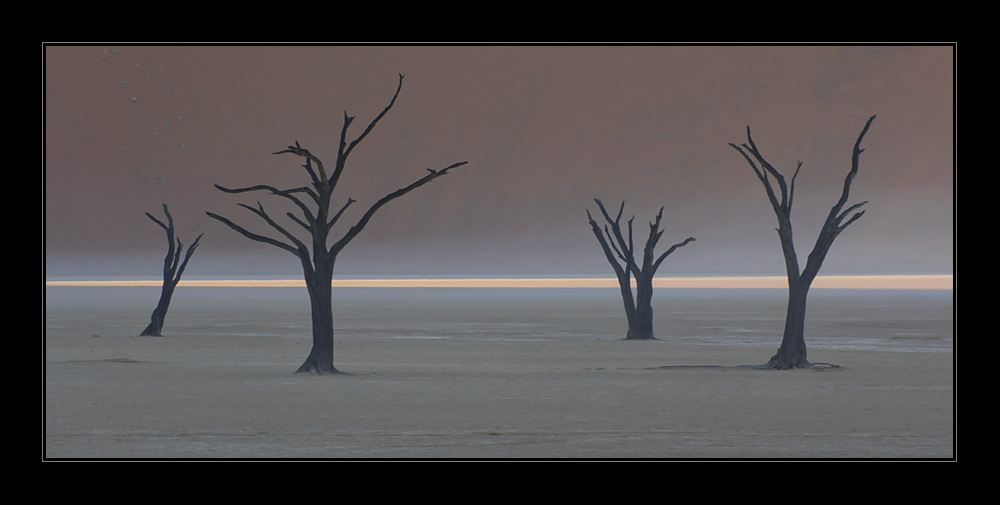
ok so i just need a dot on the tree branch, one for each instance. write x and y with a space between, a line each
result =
849 221
631 241
341 149
791 189
336 217
855 162
356 229
345 150
157 221
168 265
371 125
832 227
187 257
622 246
611 240
287 193
310 157
267 219
766 168
606 247
673 248
301 223
253 236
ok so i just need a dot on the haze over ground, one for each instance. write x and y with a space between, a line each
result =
545 129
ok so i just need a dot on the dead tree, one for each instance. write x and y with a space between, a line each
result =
319 256
638 309
172 270
792 353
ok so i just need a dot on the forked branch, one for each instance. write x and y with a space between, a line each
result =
253 236
171 270
845 194
344 150
607 245
624 249
615 243
287 193
356 229
310 158
336 217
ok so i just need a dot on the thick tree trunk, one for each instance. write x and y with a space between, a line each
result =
320 359
631 315
641 324
642 327
792 353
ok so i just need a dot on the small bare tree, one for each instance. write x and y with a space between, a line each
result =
172 270
792 353
638 309
318 222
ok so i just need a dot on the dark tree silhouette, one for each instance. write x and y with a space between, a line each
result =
318 264
172 270
792 353
638 309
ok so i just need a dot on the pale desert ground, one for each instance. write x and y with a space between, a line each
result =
496 374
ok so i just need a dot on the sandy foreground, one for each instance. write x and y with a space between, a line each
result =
495 373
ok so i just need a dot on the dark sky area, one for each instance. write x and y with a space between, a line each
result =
545 130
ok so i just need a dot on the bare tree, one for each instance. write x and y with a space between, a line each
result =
172 270
792 353
638 309
318 264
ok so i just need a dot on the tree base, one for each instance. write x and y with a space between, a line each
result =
150 331
791 355
638 332
774 365
311 366
155 326
633 337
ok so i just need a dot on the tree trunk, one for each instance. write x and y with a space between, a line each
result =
792 353
641 324
320 359
641 328
155 326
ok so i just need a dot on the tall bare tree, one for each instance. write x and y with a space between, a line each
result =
638 309
172 270
318 263
792 353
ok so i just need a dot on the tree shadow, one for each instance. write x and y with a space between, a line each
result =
816 367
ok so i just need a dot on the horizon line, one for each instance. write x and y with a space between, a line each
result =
917 282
